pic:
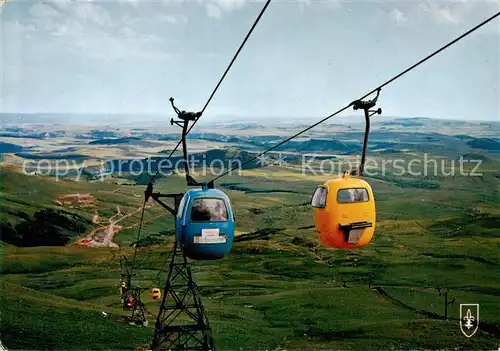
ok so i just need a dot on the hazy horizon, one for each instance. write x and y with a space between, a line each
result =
93 118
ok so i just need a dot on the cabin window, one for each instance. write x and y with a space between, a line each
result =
209 210
180 210
319 197
353 195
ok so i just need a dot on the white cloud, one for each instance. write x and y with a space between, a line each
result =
452 13
91 12
167 18
229 6
133 3
330 4
128 32
128 19
69 28
216 8
444 14
39 9
398 16
213 11
57 10
63 4
170 18
86 29
303 5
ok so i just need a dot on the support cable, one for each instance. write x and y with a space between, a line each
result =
138 236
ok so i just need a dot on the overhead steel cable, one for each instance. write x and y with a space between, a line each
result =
257 20
235 56
138 237
367 94
162 267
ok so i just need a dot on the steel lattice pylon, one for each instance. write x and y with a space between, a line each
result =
138 316
181 323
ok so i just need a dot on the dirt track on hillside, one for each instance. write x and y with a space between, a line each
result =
76 200
106 230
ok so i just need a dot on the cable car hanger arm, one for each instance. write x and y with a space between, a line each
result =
183 122
156 196
366 106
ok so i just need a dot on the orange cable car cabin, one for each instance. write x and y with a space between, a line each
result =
156 293
344 212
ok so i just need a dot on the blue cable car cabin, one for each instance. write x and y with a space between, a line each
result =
204 224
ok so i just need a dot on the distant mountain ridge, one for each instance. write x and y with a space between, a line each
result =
484 143
7 148
125 140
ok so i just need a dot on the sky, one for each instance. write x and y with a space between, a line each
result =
305 59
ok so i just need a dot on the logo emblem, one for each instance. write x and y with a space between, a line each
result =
469 319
